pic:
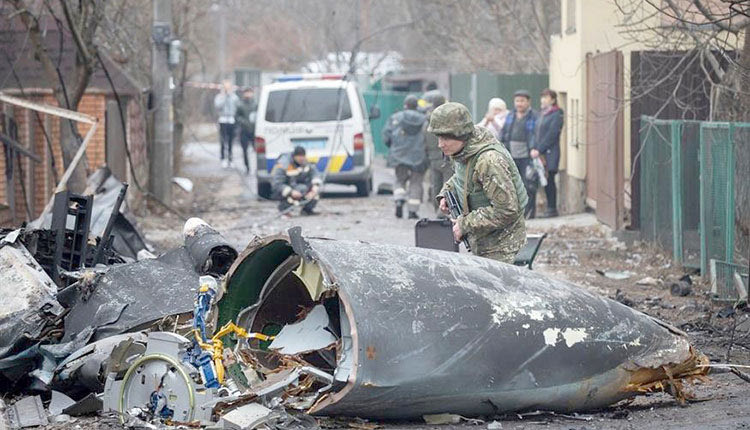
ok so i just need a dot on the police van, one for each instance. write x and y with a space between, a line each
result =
326 115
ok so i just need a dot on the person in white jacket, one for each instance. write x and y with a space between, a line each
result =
494 119
225 104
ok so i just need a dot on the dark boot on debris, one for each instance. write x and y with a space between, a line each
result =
413 215
399 209
550 213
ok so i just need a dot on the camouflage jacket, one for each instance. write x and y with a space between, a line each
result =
493 197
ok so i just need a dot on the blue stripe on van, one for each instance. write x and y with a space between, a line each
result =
320 165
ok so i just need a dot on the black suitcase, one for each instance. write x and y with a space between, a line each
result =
435 234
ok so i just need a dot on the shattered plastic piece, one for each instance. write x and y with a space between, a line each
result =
177 396
88 405
105 187
616 275
4 424
442 419
310 334
649 281
85 368
11 237
430 329
131 297
249 416
184 183
59 403
28 309
27 412
61 419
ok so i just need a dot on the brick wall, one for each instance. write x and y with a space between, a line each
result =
38 178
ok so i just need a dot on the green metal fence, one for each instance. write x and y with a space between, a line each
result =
476 90
693 189
388 102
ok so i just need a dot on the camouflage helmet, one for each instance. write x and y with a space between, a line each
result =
452 119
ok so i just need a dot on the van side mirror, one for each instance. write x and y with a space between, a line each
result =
374 112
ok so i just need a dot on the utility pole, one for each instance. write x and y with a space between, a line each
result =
160 161
222 39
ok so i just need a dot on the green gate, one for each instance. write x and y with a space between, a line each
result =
388 102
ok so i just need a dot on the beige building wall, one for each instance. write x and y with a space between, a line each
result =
590 27
598 26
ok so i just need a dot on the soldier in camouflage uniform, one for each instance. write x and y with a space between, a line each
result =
441 167
486 182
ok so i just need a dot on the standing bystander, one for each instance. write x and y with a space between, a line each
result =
245 117
547 145
494 119
518 137
225 104
404 136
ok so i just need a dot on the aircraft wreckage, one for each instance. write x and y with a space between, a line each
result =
379 331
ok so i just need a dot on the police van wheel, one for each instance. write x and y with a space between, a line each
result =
364 188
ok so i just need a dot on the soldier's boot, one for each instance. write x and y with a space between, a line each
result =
413 215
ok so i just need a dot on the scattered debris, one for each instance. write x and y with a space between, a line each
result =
649 281
59 403
620 297
436 419
27 412
681 289
86 406
184 183
248 416
495 425
616 275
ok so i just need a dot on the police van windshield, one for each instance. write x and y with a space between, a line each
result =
311 105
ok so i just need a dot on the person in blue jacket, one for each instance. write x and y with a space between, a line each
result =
518 137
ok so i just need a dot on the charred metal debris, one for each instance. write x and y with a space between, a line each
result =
295 327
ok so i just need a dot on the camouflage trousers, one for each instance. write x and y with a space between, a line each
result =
505 257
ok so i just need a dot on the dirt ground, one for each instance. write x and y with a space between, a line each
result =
575 249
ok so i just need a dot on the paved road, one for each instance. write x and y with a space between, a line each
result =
226 199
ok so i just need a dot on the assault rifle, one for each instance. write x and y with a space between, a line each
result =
455 209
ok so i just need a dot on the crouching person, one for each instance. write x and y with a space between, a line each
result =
296 182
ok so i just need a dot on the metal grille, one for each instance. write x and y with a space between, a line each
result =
723 287
717 199
695 194
690 193
656 182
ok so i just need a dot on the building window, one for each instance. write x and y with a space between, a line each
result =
574 116
570 17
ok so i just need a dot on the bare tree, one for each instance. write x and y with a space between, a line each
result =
81 19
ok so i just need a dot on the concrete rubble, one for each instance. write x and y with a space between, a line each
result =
295 327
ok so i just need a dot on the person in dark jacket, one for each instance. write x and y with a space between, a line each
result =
547 145
295 181
518 137
245 118
404 136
